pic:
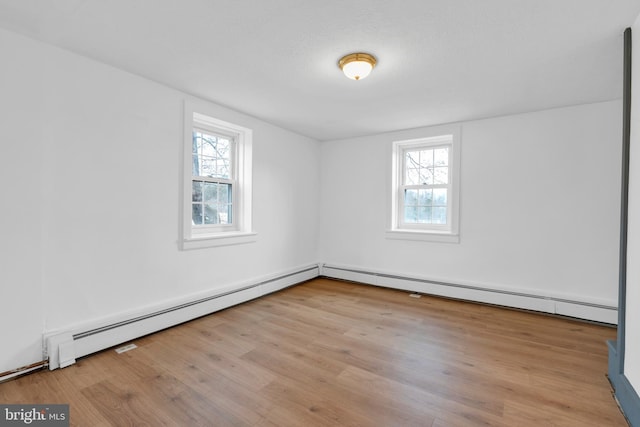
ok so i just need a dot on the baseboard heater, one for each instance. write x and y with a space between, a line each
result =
63 347
602 313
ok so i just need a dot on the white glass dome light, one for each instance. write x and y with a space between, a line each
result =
357 66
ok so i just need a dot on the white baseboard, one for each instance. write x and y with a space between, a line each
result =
100 334
588 310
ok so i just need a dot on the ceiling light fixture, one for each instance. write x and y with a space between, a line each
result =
357 66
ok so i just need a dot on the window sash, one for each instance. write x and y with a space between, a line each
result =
232 150
223 219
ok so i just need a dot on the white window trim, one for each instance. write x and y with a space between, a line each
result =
198 115
450 233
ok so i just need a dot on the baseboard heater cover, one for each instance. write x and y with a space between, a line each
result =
547 304
60 349
91 340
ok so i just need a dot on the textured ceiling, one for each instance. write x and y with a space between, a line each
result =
439 60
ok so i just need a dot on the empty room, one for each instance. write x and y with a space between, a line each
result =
288 213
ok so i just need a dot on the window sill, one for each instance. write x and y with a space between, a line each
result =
422 235
218 239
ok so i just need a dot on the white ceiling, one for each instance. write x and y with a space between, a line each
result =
438 60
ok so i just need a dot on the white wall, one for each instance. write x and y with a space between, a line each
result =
21 141
632 313
539 206
90 159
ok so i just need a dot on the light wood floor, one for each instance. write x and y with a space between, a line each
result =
328 353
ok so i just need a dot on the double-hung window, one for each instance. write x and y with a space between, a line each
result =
213 181
425 188
216 181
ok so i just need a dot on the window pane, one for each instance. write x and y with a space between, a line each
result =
224 193
412 159
196 165
426 158
440 196
196 193
223 147
426 177
441 175
208 145
223 151
222 168
410 214
439 215
196 213
424 214
412 177
195 144
425 197
208 166
441 156
224 214
210 192
210 213
410 197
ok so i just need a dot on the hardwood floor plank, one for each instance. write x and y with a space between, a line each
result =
195 370
205 333
415 401
123 406
305 398
216 359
